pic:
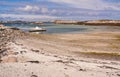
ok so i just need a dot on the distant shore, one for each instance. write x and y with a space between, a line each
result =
90 22
77 22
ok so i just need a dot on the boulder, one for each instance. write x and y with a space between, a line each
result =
9 60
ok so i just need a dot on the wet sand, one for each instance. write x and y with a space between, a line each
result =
77 44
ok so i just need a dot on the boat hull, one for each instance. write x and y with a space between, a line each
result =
41 30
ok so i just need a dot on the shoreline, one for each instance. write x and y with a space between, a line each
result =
36 55
73 29
83 40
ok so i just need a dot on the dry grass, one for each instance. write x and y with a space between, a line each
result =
118 37
101 54
44 36
114 46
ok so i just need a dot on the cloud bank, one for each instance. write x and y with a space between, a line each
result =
60 9
90 4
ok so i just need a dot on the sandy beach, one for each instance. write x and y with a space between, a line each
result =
62 55
59 38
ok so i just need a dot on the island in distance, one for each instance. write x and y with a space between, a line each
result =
76 22
89 22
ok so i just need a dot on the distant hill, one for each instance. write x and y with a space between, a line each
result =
90 22
102 22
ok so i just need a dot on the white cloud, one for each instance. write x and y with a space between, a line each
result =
90 4
44 10
32 8
28 17
28 8
54 11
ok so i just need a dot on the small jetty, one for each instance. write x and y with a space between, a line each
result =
37 29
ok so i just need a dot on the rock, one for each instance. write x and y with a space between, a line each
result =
34 76
22 52
82 69
118 74
0 60
9 60
65 68
35 50
60 61
33 61
12 53
55 56
9 35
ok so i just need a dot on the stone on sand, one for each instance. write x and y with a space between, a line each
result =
9 60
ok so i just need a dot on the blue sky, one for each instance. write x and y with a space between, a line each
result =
36 10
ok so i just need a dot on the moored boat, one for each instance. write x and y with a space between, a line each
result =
37 29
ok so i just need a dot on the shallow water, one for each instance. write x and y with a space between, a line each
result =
61 28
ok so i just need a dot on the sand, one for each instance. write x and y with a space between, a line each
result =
61 55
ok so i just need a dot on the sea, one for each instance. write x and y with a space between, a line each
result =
52 28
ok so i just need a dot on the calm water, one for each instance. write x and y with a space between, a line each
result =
59 28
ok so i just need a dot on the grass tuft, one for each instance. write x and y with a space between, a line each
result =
118 37
100 53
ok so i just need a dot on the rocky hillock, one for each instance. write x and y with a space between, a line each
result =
7 35
103 22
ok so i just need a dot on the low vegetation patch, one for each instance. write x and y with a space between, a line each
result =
100 53
46 37
114 46
118 37
41 36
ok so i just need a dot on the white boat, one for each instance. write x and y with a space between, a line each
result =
37 29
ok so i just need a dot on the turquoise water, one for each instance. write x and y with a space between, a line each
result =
60 28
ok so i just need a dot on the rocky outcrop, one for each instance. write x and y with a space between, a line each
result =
7 35
91 22
38 23
14 22
65 22
9 60
102 22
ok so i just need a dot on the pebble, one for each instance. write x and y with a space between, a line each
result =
34 76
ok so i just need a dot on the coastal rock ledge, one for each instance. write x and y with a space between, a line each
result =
8 34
